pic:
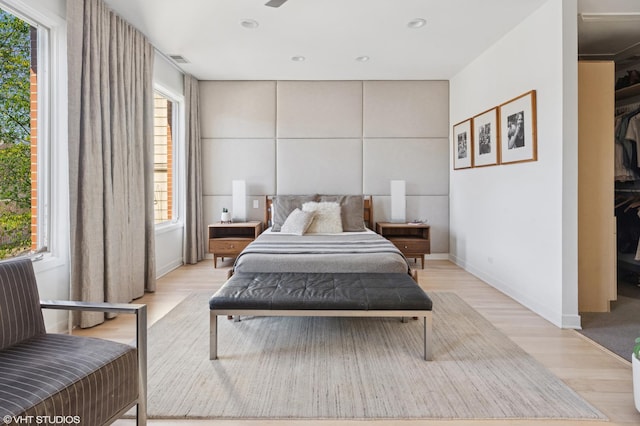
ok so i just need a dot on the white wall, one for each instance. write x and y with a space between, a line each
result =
570 317
514 225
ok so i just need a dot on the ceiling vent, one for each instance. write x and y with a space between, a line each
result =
179 59
275 3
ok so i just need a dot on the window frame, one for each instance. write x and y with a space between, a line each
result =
177 137
49 33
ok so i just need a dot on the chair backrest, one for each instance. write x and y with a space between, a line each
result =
20 313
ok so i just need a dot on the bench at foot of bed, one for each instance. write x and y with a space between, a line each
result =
321 294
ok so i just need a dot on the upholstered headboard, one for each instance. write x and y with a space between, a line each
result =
367 214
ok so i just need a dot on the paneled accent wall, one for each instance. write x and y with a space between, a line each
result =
330 137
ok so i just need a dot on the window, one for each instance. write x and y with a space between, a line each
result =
163 180
23 137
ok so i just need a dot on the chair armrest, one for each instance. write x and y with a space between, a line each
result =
70 305
140 310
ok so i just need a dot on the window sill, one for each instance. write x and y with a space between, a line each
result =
45 262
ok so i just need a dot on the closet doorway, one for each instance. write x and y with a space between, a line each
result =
627 176
608 206
609 294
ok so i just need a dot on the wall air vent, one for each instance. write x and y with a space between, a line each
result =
179 59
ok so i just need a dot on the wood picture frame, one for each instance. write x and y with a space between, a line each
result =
518 129
462 145
486 144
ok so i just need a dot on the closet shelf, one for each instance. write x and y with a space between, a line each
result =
628 92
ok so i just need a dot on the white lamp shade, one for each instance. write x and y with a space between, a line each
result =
239 202
398 202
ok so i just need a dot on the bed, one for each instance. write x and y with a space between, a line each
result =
355 249
363 251
319 257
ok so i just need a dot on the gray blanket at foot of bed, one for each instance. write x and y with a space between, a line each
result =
342 253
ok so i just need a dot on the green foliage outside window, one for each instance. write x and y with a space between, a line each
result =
15 62
15 152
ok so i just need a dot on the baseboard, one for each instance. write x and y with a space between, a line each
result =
437 256
556 318
165 269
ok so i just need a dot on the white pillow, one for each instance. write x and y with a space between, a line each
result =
297 222
327 218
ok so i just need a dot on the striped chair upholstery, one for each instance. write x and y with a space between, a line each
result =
20 314
43 374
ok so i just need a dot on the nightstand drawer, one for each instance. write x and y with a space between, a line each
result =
229 239
412 245
412 239
221 246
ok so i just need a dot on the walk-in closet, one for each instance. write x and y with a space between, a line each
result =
609 179
627 174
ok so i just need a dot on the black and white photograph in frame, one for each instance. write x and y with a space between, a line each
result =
462 145
485 138
518 129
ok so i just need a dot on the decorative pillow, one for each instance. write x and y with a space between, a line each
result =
298 222
327 217
352 210
283 205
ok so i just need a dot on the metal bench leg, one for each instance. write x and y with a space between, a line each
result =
428 338
213 335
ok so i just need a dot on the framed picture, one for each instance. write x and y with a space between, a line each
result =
462 148
518 129
485 138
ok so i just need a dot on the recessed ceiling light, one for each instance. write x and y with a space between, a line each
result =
298 58
417 23
363 58
249 24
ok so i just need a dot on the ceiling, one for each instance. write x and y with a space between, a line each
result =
331 34
609 29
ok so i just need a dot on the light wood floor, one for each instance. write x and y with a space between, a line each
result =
599 376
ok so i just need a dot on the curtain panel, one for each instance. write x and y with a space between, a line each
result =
194 226
110 67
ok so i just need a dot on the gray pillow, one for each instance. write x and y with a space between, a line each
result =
352 210
283 205
298 222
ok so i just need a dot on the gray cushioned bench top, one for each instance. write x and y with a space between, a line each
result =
321 291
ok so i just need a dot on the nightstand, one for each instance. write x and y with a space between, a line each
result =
229 239
412 240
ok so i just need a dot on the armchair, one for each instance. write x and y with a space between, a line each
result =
46 375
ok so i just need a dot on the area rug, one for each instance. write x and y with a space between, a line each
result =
349 368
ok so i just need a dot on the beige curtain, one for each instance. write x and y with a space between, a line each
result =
194 226
110 157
